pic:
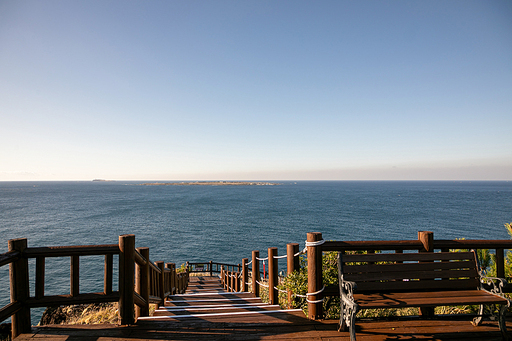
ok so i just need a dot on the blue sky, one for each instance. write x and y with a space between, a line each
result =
255 90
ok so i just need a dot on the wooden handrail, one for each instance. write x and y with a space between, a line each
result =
139 259
139 301
414 245
209 266
57 300
9 310
154 268
375 245
68 251
472 244
9 257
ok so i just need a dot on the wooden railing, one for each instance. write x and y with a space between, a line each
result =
142 285
315 246
142 282
238 280
210 267
424 243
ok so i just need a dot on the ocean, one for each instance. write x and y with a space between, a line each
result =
225 223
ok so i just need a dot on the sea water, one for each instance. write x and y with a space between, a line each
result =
225 223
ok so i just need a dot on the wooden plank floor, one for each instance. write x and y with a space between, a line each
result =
207 312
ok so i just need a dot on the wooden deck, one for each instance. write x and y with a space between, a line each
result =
207 312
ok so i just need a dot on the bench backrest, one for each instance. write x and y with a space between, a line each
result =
380 272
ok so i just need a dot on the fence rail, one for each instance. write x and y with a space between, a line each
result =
139 285
142 282
211 267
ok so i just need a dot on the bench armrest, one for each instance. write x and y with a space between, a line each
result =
494 285
347 289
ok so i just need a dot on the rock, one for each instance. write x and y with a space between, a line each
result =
5 332
53 315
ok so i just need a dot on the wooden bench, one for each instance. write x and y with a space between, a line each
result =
398 280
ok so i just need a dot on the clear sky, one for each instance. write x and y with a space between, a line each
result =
255 90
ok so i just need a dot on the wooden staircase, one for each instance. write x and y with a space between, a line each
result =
205 299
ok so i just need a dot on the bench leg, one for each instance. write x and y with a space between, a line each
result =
503 325
348 319
478 320
353 327
342 325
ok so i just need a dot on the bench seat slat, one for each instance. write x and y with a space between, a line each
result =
427 299
398 286
403 257
377 268
405 275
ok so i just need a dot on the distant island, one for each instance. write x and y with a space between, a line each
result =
212 183
103 180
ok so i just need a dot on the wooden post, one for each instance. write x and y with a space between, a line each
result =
245 275
255 273
20 288
500 263
142 282
427 239
180 283
272 276
168 277
187 279
108 276
161 281
227 276
211 268
292 264
173 278
40 264
228 279
315 283
126 278
75 276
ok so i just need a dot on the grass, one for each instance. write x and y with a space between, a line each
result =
98 313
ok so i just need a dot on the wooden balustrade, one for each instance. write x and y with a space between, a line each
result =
140 281
211 267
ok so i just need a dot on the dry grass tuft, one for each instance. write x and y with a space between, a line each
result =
98 313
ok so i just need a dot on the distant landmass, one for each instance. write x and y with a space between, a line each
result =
103 180
212 183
